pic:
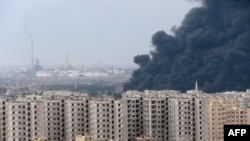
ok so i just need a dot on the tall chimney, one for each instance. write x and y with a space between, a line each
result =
67 61
32 62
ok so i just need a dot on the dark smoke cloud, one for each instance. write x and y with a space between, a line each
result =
212 45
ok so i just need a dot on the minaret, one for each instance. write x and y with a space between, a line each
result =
196 86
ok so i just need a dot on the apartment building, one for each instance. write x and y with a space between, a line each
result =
19 119
132 102
76 113
104 123
53 117
3 125
181 118
224 110
25 118
158 115
19 124
155 115
118 120
171 115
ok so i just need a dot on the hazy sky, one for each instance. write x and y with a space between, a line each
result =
91 31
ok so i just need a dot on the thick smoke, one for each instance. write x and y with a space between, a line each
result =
212 46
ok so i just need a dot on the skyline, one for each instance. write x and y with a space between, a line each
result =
90 32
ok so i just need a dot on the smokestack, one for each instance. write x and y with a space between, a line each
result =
67 63
32 60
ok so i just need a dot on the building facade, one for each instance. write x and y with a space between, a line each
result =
158 115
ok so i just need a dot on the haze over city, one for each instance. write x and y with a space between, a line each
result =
92 32
67 70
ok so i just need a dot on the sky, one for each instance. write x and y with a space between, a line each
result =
91 32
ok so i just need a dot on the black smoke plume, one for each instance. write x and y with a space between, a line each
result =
212 46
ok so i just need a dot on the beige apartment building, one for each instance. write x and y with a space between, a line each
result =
165 115
158 115
224 110
155 117
105 119
132 102
118 120
76 113
19 119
